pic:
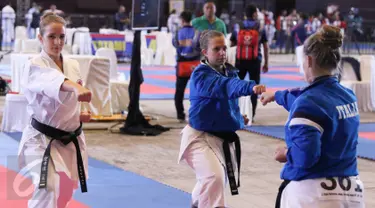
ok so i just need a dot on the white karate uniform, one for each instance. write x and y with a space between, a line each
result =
311 194
8 18
29 19
204 153
42 80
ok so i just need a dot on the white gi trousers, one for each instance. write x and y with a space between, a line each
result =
204 154
62 178
324 193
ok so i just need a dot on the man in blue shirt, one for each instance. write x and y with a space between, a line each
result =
121 19
185 42
249 56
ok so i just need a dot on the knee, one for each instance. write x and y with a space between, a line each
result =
216 182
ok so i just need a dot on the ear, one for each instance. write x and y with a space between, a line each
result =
40 39
309 61
204 52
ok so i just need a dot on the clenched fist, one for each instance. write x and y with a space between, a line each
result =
267 97
85 116
83 94
280 154
259 89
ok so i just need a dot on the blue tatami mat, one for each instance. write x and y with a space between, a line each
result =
109 186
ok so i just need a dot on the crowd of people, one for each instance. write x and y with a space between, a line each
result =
283 32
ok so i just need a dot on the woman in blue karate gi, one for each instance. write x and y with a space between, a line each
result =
321 134
209 140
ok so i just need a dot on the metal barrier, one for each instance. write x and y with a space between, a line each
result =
359 44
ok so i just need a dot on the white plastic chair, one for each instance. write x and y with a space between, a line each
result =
101 100
111 55
119 87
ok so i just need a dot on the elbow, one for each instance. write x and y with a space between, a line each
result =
309 161
303 160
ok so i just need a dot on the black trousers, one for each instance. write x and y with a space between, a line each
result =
253 67
181 83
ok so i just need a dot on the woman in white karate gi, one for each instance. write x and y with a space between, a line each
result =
52 86
214 117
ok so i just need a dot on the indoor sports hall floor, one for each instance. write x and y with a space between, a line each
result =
142 172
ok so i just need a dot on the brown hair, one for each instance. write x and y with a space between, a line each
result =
206 36
49 18
324 46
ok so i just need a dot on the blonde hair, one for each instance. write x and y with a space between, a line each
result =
206 36
324 46
49 18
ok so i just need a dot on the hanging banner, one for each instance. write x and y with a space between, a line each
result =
151 42
117 42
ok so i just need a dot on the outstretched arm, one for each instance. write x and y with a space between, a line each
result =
213 85
284 98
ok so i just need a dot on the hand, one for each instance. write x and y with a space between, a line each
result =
267 97
84 95
85 116
80 82
245 119
280 154
265 68
259 89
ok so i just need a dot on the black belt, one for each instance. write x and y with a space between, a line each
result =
65 138
230 137
281 189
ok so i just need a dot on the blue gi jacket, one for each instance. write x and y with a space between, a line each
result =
214 99
322 130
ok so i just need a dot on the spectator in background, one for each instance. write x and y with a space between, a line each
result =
173 22
302 30
249 39
339 22
282 26
8 18
354 22
54 10
317 22
292 22
185 42
354 28
29 19
209 21
122 20
36 15
261 17
269 27
233 22
226 18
